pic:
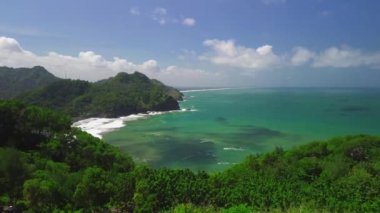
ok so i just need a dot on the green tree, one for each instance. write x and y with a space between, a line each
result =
95 189
13 172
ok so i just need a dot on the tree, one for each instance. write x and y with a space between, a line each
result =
95 189
13 172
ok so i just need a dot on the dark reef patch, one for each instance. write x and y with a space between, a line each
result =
254 137
355 109
186 151
171 150
221 119
259 133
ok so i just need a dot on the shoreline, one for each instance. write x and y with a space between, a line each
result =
97 127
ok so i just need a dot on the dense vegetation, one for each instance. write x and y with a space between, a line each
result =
46 165
14 82
121 95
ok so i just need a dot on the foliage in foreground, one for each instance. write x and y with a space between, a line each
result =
46 165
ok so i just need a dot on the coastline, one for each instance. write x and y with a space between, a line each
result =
97 127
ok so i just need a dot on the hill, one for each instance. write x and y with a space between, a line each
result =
47 166
121 95
15 81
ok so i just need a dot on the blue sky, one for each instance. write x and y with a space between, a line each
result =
260 43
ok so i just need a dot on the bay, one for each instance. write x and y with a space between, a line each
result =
219 128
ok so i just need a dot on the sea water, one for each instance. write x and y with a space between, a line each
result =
219 128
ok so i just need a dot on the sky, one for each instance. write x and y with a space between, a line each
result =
198 43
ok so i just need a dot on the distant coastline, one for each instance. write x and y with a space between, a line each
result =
210 89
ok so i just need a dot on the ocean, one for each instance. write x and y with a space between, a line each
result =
219 128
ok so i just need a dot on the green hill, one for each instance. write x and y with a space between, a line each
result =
47 166
121 95
15 81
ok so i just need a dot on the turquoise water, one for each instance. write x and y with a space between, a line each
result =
228 125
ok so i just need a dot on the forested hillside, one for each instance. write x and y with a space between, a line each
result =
15 81
46 165
121 95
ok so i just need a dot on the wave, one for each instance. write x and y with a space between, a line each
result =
233 149
206 140
99 126
224 163
189 110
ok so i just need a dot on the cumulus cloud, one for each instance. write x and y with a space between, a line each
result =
10 45
346 57
343 57
188 22
88 65
301 56
134 11
226 52
192 77
160 15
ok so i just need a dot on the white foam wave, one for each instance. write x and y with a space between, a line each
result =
224 163
206 140
189 110
233 149
98 126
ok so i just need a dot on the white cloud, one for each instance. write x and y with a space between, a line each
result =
10 45
188 55
191 77
189 22
301 56
160 15
346 57
134 11
226 52
273 1
88 65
